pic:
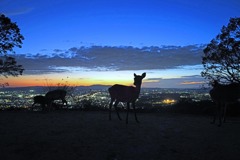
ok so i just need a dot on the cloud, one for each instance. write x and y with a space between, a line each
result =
18 11
181 82
13 8
192 83
105 58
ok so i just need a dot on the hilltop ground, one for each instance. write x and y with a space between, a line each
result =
88 135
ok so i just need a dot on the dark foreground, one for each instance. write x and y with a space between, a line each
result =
70 135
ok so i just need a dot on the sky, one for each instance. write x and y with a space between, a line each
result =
78 42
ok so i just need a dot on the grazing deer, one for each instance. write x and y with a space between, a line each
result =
58 94
39 100
128 94
223 95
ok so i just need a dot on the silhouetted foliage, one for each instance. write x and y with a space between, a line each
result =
8 66
221 59
10 37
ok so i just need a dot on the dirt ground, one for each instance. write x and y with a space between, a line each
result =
88 135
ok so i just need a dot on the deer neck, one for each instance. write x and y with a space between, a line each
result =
137 89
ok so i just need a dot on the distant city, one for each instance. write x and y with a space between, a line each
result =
98 96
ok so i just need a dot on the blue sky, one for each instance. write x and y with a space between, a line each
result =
61 38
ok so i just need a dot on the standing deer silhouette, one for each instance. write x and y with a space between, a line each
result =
128 94
223 95
58 94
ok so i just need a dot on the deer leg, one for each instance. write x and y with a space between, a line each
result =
134 109
224 112
32 106
64 101
215 111
43 106
115 106
128 105
110 108
49 106
220 114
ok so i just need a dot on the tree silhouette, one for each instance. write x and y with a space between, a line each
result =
221 59
10 37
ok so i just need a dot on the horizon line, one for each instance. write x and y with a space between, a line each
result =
100 85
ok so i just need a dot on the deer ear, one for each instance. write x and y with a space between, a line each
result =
135 75
144 75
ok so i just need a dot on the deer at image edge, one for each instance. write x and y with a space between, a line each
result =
223 95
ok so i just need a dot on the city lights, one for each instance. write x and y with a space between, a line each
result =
82 98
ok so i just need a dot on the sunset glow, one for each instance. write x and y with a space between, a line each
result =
70 80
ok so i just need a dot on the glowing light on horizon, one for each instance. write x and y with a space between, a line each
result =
169 101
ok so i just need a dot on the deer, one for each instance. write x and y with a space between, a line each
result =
223 95
58 94
126 94
39 100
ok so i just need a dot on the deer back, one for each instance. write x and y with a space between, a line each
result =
229 92
123 93
56 94
39 99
